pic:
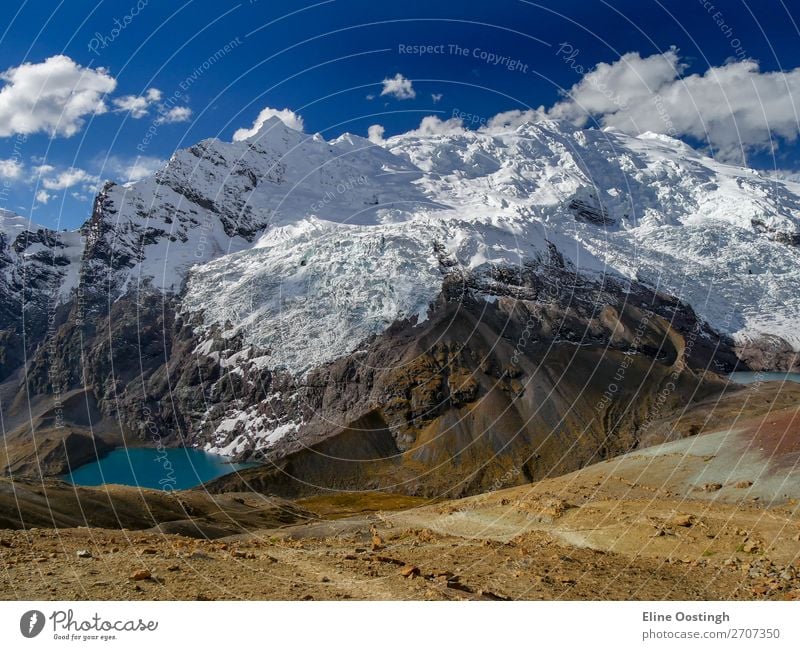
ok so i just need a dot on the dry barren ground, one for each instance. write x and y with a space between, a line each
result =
716 516
556 540
510 547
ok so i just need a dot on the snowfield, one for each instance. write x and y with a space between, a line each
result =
308 247
346 257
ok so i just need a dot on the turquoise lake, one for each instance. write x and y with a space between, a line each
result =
165 469
753 377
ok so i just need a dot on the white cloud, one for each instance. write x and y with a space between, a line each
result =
175 115
371 96
57 95
55 179
785 175
734 108
54 96
43 170
375 133
10 168
436 97
69 178
133 169
512 119
620 86
79 197
399 87
51 177
142 168
137 105
433 125
288 117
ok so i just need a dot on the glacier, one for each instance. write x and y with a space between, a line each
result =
344 259
306 248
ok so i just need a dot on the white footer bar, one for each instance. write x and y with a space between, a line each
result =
386 626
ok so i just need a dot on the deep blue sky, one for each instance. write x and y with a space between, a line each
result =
293 63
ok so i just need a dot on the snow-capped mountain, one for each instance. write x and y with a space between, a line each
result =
255 295
338 239
316 284
668 216
38 267
37 259
214 199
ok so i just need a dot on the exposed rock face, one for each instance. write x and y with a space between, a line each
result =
788 237
550 373
768 353
55 456
588 208
527 386
34 266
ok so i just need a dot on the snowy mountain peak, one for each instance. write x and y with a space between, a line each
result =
646 208
294 266
215 198
315 245
274 129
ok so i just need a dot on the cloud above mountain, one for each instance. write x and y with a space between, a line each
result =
126 170
398 87
374 134
137 105
174 115
54 97
58 95
69 178
434 125
288 117
734 108
429 125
